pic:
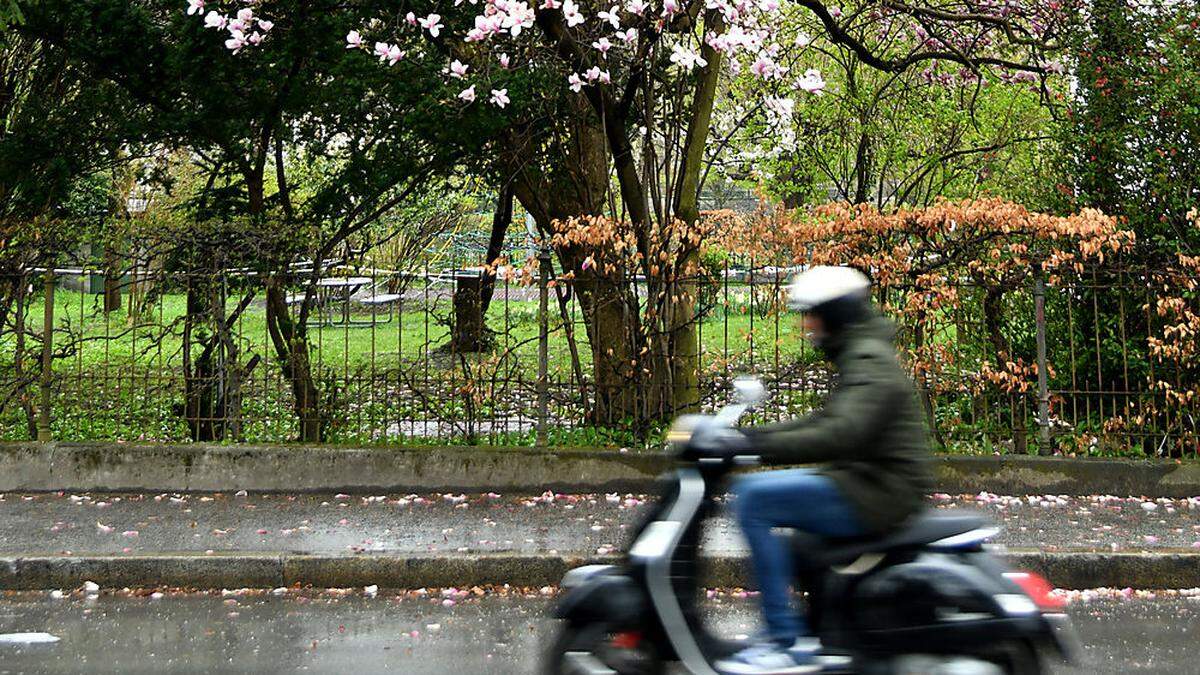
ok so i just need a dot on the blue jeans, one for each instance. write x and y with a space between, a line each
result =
797 498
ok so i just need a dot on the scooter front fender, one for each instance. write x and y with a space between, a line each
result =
601 594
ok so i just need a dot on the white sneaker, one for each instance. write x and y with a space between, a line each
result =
771 659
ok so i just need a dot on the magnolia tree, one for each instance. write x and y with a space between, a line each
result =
256 123
635 86
889 137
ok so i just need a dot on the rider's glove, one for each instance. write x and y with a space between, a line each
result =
721 442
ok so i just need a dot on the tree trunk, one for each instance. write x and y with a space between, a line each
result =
992 312
501 222
611 319
468 326
862 168
199 378
292 349
683 290
112 280
921 375
22 383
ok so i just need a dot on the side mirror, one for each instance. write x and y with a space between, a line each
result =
749 390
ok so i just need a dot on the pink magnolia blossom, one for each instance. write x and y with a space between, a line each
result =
576 82
812 82
1055 67
245 15
594 74
612 16
670 7
432 23
686 58
637 7
215 20
237 40
195 7
254 38
238 25
835 12
571 13
783 108
551 4
390 53
719 43
458 69
500 97
516 16
602 45
764 67
354 40
468 94
265 26
628 36
768 5
504 60
411 19
485 27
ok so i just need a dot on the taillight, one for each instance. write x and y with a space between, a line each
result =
627 640
1038 589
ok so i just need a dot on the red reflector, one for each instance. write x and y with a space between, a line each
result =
628 640
1038 589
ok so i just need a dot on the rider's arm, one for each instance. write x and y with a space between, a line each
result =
847 424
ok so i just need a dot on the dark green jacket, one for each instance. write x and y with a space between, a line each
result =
871 432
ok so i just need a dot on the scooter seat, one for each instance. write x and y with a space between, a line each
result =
924 529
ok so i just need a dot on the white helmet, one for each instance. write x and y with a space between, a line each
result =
818 285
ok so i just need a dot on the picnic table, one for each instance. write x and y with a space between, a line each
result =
332 290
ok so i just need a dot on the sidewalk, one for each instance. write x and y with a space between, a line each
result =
576 524
410 541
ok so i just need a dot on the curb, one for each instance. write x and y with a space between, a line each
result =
120 467
1065 569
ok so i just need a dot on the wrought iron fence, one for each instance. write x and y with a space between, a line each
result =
450 355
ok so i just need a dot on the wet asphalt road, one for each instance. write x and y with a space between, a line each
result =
328 523
323 633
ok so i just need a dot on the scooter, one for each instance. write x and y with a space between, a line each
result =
928 598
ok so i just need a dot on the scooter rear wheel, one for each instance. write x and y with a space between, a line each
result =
595 649
1017 657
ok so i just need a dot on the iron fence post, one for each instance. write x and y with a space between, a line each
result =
543 388
1039 300
43 423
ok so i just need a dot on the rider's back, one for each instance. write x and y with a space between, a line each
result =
871 431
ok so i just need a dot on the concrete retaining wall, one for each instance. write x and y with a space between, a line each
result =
181 468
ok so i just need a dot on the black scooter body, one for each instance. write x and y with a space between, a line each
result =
931 588
869 601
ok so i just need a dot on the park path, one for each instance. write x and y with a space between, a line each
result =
95 523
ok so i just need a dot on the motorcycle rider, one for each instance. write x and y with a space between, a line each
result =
870 434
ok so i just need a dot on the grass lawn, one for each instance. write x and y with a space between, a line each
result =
405 336
124 379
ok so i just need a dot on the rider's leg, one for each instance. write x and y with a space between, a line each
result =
800 499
